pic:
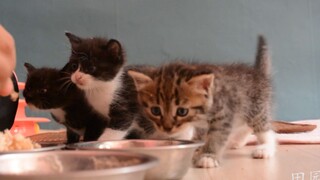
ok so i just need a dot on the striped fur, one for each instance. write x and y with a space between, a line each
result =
219 98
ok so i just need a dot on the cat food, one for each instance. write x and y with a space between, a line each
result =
10 142
175 156
113 162
75 165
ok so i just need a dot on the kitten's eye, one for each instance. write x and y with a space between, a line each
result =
84 58
182 112
74 66
156 111
43 91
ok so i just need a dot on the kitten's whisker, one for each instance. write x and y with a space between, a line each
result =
67 73
63 85
64 78
69 84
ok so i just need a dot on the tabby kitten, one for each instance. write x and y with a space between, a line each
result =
96 66
49 89
228 101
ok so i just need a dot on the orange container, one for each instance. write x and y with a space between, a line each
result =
22 124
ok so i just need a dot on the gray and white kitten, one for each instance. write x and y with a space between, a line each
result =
226 102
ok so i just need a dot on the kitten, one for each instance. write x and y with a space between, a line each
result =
49 89
228 101
96 66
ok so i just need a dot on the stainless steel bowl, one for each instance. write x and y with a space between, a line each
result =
175 156
75 165
48 148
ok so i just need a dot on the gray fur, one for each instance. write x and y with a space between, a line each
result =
240 95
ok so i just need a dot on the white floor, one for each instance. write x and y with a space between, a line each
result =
292 162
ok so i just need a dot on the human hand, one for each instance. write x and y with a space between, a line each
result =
7 62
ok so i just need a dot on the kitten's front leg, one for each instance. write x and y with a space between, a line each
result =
94 130
209 155
72 137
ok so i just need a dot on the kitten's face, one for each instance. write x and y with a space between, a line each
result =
41 88
94 60
172 101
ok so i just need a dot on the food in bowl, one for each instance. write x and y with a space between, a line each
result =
11 142
113 162
75 165
175 156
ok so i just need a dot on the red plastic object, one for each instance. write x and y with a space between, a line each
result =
22 124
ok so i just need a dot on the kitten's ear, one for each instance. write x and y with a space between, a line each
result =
201 83
74 40
29 67
140 80
114 48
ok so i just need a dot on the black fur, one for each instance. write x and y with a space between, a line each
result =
104 60
48 88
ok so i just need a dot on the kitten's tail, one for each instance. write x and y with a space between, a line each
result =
263 59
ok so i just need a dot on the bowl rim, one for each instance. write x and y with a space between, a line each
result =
41 149
187 144
149 162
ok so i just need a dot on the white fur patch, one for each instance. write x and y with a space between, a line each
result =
207 161
111 134
100 94
185 133
239 136
267 147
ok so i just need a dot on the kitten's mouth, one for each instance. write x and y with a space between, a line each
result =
80 84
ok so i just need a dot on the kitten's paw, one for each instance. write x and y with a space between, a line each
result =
263 152
268 148
207 161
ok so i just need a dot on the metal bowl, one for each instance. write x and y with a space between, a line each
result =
47 148
175 155
75 165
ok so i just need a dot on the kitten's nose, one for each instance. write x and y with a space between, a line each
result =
78 77
167 129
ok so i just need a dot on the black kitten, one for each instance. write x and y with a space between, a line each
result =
49 89
96 66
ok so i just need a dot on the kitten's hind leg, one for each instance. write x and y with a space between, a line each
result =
267 145
266 139
239 137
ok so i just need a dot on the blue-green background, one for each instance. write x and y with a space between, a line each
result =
154 31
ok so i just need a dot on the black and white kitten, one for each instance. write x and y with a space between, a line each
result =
96 66
49 89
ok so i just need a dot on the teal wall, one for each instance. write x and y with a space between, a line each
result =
154 31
